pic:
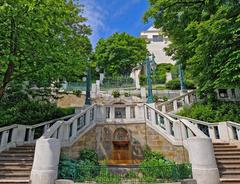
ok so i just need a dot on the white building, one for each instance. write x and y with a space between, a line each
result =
157 43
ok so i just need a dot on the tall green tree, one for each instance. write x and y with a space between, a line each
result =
120 53
41 41
204 37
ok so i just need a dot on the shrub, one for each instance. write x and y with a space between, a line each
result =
29 112
175 84
214 112
78 93
155 98
143 80
127 94
116 94
88 154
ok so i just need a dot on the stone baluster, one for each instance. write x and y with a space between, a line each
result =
168 126
4 138
211 132
175 106
20 134
223 131
164 109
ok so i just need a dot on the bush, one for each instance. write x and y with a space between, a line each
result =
77 170
88 154
27 112
155 165
127 94
116 94
143 80
78 93
215 112
175 84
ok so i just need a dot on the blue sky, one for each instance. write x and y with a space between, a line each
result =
109 16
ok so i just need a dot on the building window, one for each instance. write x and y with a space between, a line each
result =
81 122
157 38
132 113
223 93
108 112
120 112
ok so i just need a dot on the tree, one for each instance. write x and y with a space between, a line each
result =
41 41
120 53
205 38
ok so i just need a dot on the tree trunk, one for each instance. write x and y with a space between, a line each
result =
7 78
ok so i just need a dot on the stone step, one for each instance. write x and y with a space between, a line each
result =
15 168
226 150
16 155
15 174
227 157
20 164
11 181
230 180
227 153
233 162
228 166
225 146
21 151
23 148
14 159
220 143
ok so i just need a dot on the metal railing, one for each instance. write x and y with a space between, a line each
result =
126 175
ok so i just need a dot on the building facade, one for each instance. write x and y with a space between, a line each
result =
156 44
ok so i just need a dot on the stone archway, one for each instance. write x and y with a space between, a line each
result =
121 152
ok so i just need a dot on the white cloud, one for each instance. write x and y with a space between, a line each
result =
96 15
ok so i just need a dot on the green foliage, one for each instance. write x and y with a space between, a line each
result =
78 93
88 154
155 165
215 112
175 84
28 112
143 80
204 37
159 76
120 53
42 42
155 98
127 94
116 94
77 170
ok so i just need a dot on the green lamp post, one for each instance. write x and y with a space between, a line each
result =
181 78
150 64
88 85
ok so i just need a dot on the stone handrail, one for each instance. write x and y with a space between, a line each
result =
174 130
174 104
221 131
16 134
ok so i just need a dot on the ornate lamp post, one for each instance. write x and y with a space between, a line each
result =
181 78
88 86
150 64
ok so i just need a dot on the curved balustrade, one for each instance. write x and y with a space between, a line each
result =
222 131
16 134
174 104
174 130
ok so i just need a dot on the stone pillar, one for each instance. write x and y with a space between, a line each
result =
21 131
164 110
101 77
143 93
175 106
202 158
46 159
94 91
223 132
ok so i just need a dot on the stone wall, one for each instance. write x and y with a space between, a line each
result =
101 137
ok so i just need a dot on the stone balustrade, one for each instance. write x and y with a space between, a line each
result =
175 104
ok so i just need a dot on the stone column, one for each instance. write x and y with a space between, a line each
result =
46 159
175 106
143 93
202 158
223 131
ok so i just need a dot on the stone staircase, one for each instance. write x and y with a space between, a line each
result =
16 164
228 161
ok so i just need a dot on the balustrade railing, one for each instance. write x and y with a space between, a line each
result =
222 131
174 104
174 130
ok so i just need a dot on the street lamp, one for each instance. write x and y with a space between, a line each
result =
150 65
181 78
88 84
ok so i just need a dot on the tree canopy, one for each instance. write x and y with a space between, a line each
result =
204 37
41 41
120 53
